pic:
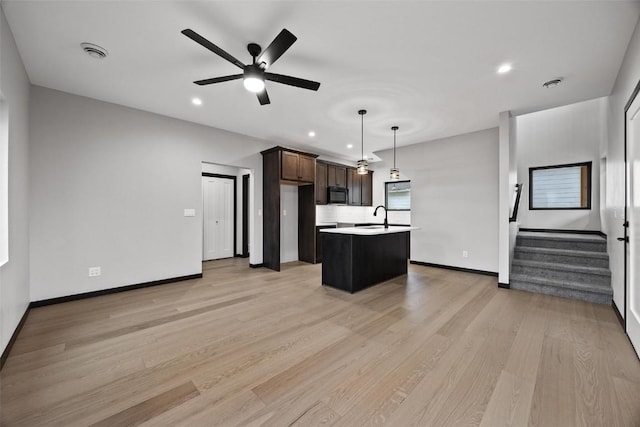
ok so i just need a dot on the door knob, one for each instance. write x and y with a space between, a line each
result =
623 239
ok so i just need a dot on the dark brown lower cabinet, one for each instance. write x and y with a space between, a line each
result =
319 241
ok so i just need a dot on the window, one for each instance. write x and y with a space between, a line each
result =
397 195
560 187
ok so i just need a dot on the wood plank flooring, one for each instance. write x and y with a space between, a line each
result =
253 347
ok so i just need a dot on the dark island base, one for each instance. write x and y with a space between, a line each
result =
353 262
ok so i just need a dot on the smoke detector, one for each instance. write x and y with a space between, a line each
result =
94 51
552 83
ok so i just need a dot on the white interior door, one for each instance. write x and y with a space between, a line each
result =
632 314
217 213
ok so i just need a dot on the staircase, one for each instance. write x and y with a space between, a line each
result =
566 265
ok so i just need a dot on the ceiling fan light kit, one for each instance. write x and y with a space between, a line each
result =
253 78
254 74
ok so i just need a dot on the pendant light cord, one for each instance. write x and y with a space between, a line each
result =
362 136
394 148
362 113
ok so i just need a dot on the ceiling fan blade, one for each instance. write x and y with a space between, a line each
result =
278 46
292 81
218 79
212 47
263 97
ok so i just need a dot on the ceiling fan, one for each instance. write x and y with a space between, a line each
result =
255 73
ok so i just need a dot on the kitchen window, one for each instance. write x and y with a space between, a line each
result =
560 187
397 195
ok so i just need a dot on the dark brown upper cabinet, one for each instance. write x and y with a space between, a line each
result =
329 175
366 186
336 176
360 188
354 184
321 183
298 167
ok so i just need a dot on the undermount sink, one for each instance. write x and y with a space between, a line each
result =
372 227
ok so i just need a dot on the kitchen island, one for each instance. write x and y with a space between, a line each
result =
358 257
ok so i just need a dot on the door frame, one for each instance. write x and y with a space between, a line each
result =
245 215
235 205
632 98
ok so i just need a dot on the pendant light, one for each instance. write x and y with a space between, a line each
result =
362 167
394 173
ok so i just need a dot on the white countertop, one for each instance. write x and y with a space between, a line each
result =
368 231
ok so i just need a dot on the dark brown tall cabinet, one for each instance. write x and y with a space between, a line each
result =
282 166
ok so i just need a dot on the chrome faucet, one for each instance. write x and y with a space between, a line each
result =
375 213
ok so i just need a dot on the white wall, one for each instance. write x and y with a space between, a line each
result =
569 134
288 223
109 185
505 193
513 180
627 79
454 199
14 276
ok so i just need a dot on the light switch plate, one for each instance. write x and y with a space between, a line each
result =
189 212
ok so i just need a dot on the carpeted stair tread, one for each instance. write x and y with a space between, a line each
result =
566 252
578 286
562 236
564 267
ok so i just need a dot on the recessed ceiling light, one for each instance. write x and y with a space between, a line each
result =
552 83
349 145
504 68
196 101
311 134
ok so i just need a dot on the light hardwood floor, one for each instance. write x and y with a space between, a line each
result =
254 347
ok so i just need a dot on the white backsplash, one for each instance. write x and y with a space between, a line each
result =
358 214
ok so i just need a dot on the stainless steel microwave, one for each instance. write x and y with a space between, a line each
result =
337 195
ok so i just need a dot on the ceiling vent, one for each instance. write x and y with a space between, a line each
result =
94 51
552 83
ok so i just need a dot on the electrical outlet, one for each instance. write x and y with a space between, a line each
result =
94 271
465 254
